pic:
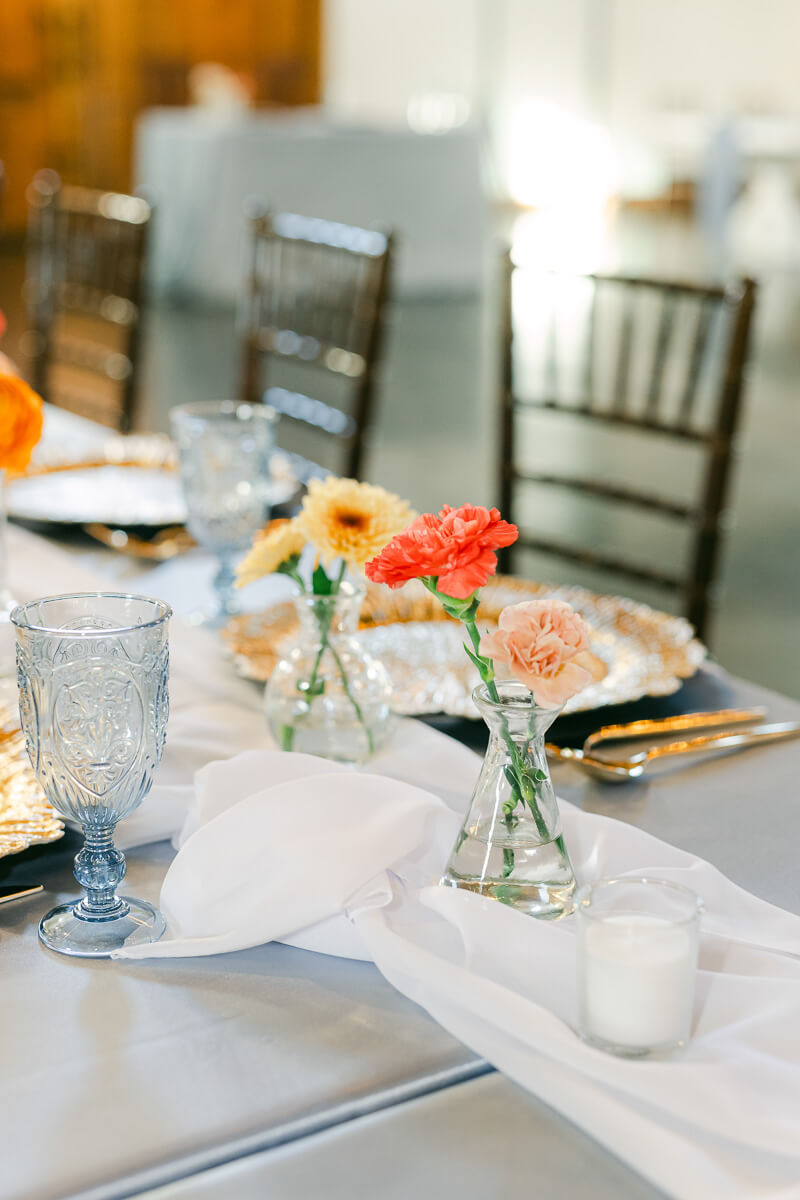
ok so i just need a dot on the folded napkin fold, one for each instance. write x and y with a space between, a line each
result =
289 847
258 865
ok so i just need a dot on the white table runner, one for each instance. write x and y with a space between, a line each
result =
285 847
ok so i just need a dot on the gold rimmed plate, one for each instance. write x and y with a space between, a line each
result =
133 482
647 652
26 818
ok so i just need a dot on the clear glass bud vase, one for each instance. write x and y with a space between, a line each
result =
328 696
510 845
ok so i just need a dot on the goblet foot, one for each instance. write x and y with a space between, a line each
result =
65 932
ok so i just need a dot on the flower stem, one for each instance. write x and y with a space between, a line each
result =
524 788
325 616
324 622
352 699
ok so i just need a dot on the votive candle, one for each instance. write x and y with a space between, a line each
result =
637 962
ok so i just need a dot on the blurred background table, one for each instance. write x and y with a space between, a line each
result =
199 168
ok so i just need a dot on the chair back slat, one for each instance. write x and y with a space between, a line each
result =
606 562
85 265
551 362
316 299
706 309
665 327
590 349
740 300
625 344
658 360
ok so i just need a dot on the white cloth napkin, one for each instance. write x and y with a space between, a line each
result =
290 847
299 816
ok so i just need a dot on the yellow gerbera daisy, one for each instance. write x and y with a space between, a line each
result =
281 540
351 520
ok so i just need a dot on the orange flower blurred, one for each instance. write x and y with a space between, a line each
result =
20 422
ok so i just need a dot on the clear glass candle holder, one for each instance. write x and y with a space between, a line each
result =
637 964
93 674
224 449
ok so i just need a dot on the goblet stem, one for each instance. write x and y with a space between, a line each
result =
223 585
99 869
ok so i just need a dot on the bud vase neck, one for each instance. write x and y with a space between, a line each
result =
328 616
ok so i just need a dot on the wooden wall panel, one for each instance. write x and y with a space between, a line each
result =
74 74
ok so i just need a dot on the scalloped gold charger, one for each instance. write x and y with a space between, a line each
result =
26 818
647 652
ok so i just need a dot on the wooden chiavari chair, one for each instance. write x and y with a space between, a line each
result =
656 365
316 297
86 256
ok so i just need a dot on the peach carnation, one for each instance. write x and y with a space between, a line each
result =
545 645
457 548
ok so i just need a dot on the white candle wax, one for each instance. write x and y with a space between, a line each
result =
637 982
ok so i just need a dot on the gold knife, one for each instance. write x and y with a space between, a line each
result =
685 722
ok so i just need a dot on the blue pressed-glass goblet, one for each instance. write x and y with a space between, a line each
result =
224 450
92 670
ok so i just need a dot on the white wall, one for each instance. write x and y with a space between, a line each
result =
703 55
625 63
377 54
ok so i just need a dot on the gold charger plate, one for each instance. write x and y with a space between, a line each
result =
26 818
647 652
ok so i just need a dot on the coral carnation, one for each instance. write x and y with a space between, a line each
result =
20 422
457 548
545 645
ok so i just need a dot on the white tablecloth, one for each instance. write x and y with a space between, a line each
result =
199 168
206 696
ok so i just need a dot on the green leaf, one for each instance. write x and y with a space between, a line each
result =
462 610
484 667
320 583
539 775
472 611
289 565
513 783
